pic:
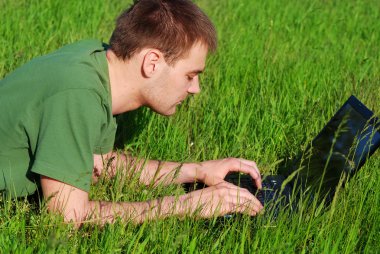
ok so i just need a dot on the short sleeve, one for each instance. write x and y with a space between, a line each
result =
107 138
69 131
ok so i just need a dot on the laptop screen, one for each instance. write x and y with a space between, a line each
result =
342 146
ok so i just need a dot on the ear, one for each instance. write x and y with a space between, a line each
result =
152 61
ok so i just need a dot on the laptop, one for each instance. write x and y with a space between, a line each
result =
334 155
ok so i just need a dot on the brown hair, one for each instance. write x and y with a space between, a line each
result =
171 26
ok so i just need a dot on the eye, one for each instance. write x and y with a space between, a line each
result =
190 78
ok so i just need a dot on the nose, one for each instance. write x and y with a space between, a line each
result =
194 87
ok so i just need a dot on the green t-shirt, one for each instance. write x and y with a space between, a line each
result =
55 113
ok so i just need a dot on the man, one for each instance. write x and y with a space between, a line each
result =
57 118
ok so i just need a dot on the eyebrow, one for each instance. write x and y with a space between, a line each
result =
196 72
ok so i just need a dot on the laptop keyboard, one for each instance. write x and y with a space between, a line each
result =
271 185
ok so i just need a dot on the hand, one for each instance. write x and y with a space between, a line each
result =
213 172
220 199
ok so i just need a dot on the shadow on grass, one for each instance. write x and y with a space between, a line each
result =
129 126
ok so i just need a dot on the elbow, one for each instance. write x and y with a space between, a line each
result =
71 215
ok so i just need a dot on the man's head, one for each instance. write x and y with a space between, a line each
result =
171 26
165 42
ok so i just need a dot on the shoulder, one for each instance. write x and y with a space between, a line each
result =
82 47
80 65
79 68
77 58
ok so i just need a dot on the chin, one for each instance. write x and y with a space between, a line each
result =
168 112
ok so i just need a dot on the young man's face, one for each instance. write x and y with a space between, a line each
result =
175 83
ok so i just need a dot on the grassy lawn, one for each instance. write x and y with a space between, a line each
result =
281 71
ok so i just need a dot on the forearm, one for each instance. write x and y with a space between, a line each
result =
138 212
74 205
154 171
164 172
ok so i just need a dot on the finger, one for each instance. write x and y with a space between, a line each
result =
231 198
245 205
248 169
241 195
248 208
258 180
252 164
236 190
255 201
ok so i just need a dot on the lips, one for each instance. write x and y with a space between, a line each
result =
180 102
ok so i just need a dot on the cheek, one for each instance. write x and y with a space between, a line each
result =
182 83
177 82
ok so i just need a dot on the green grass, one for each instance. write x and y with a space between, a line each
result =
281 71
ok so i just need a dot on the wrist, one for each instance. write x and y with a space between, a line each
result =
172 205
191 172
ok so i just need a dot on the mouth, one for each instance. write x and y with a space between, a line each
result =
180 102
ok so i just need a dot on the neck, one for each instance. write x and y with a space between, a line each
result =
125 83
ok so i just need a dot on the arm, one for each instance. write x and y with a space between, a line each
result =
153 171
74 205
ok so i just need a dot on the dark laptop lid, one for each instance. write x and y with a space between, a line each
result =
343 145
